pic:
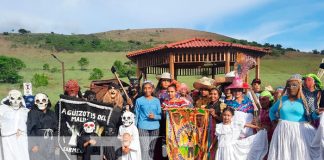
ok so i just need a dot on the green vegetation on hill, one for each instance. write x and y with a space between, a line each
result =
75 43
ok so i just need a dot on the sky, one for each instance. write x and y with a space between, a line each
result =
292 23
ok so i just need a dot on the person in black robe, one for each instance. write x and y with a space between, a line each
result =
42 129
86 141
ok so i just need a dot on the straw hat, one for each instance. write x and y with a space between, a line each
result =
269 88
238 83
227 79
164 75
204 82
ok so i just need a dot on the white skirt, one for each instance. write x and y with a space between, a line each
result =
254 147
292 141
318 140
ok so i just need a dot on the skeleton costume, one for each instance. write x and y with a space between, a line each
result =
42 128
88 134
13 117
128 119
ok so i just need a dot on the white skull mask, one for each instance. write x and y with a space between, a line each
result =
41 101
128 118
89 127
15 99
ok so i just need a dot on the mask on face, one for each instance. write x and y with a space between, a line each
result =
89 127
15 99
128 118
41 101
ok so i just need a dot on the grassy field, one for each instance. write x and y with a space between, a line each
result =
274 70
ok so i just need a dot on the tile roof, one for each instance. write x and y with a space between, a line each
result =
196 43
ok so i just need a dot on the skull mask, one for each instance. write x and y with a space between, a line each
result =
128 118
89 126
15 99
41 101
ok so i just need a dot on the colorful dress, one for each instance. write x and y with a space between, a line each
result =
293 135
231 147
177 103
312 101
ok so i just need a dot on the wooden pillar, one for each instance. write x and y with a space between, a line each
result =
144 71
257 68
171 65
213 71
138 69
227 62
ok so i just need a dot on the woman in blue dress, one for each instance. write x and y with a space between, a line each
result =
293 135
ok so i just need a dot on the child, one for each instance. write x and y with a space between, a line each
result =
128 134
86 143
231 147
148 113
173 101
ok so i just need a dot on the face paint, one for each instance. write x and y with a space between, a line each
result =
309 82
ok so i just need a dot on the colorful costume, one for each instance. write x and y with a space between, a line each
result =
231 147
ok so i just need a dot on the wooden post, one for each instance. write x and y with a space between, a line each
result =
171 64
227 62
138 69
257 68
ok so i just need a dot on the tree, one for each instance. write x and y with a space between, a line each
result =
96 74
315 51
39 80
83 63
124 69
23 31
9 68
46 67
322 51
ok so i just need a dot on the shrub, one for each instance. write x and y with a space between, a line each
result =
46 67
96 74
9 68
39 80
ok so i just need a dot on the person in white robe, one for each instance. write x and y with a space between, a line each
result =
13 118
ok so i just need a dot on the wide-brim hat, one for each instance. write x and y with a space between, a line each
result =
238 84
204 83
164 75
228 78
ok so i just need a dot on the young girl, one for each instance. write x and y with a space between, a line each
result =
214 118
173 101
231 147
148 114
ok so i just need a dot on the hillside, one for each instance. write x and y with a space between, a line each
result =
158 35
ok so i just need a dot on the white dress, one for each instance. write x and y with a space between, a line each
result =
318 141
135 148
231 147
14 147
242 117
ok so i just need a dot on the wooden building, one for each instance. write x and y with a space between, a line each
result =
195 56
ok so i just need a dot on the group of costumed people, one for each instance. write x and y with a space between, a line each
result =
244 121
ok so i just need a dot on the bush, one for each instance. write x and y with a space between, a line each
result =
83 63
39 80
9 68
5 33
96 74
124 69
54 70
46 67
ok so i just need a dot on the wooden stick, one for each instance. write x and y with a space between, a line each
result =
114 71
